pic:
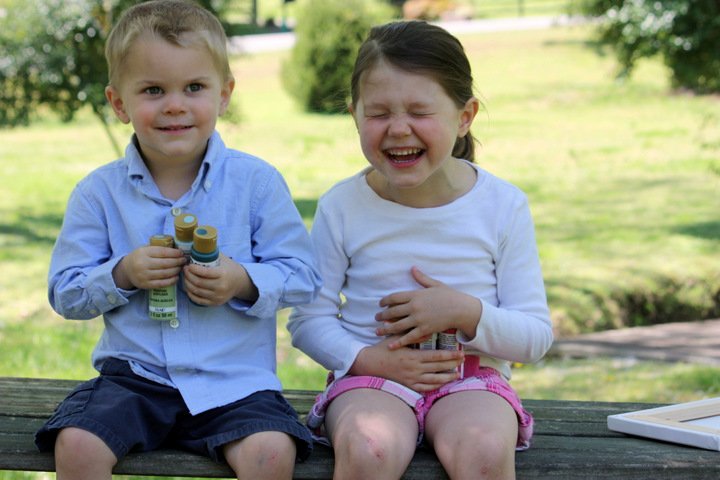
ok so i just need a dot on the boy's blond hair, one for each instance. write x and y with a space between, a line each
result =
179 22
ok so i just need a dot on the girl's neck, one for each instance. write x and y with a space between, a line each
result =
445 186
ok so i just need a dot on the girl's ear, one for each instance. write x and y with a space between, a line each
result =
351 109
467 115
117 104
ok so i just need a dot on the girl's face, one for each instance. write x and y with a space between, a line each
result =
172 95
408 126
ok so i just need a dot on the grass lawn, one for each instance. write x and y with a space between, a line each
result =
623 180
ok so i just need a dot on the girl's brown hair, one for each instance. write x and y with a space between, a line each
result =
419 47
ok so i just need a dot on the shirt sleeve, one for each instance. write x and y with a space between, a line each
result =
316 328
518 328
80 281
284 272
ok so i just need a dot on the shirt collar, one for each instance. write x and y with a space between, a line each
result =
137 169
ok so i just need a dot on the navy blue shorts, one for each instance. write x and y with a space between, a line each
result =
131 413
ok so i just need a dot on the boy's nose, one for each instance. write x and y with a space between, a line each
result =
174 103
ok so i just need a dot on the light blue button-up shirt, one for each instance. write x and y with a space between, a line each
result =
212 355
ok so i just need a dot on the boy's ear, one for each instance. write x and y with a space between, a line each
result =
225 94
116 102
467 115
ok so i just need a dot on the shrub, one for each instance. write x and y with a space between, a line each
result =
328 35
686 33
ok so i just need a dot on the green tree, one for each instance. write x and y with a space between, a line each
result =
328 35
52 55
685 33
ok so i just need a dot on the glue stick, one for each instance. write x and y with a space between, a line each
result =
185 225
204 248
162 302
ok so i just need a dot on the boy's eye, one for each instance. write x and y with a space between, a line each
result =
153 90
194 87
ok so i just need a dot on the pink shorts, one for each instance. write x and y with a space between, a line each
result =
475 378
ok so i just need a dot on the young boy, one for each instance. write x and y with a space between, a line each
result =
206 380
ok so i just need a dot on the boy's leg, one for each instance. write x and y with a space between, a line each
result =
263 455
81 455
373 433
260 436
474 434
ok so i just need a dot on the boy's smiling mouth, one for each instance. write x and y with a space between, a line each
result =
175 128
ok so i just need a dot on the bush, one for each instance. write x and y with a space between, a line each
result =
686 33
328 35
52 55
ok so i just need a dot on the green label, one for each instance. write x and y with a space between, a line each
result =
163 303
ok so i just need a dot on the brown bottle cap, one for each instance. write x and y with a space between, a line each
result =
185 224
162 241
205 239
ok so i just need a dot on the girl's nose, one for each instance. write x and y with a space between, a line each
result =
399 126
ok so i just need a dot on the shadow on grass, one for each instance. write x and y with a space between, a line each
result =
28 228
704 230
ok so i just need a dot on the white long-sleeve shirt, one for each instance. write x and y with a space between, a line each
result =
482 244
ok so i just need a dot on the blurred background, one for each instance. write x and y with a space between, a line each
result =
605 112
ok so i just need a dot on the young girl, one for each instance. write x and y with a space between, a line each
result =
423 241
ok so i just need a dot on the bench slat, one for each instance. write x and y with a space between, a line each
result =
571 441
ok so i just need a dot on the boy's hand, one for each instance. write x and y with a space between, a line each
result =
217 285
149 267
417 314
421 370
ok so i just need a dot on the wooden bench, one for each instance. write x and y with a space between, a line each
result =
571 441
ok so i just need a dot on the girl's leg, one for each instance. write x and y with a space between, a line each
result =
81 455
373 434
264 455
474 434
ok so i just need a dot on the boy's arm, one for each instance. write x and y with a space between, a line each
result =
284 273
80 281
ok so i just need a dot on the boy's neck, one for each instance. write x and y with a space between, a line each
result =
174 180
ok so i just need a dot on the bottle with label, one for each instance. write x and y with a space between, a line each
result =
204 248
185 225
447 340
427 344
162 302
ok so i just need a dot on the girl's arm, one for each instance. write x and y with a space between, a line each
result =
516 328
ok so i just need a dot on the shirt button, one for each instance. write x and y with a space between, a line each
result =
93 311
112 298
174 323
208 184
176 211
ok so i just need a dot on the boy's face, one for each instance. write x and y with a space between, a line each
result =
172 95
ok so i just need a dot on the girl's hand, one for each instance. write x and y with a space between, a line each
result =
421 370
414 315
149 267
212 286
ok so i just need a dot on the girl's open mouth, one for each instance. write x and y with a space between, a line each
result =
401 157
